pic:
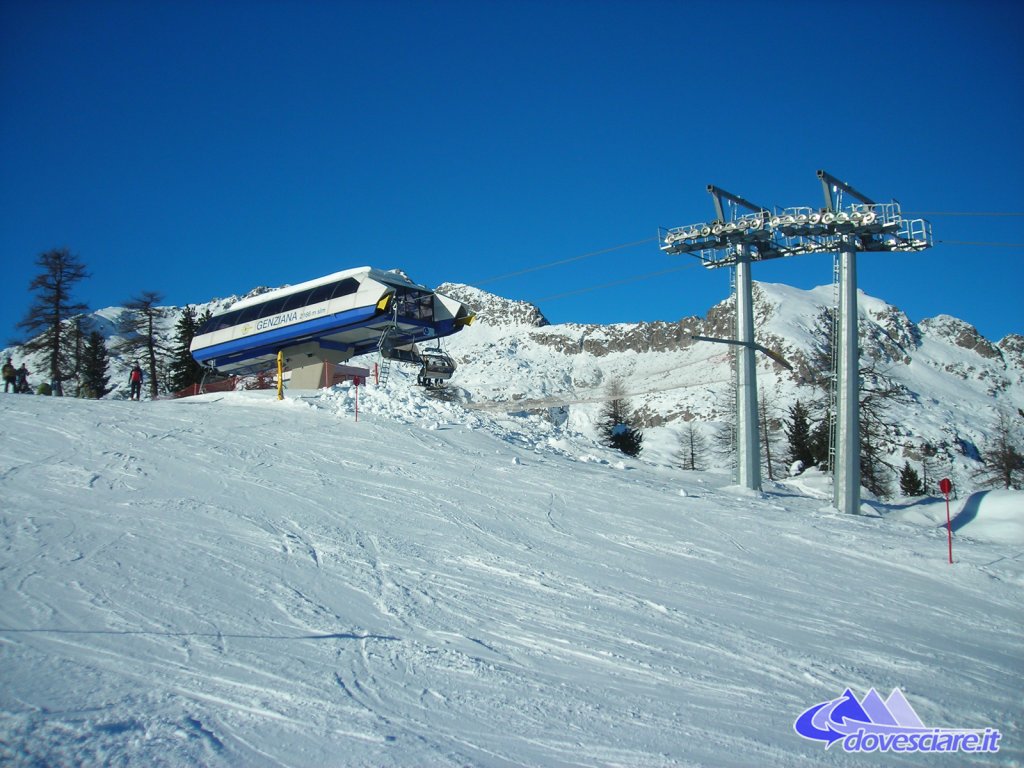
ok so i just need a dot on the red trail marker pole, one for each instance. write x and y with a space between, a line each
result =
946 486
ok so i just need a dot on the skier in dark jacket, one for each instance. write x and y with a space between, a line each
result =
135 379
22 383
10 377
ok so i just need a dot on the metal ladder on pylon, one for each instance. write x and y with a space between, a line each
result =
382 345
833 394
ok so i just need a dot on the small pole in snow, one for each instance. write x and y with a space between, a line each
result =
946 486
280 374
356 380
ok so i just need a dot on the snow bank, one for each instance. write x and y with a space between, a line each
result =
995 516
998 517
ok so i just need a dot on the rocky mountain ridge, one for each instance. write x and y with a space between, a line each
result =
956 380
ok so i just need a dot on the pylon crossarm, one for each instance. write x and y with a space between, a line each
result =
830 183
799 230
719 194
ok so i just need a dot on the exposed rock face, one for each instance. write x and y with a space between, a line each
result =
995 366
962 334
1013 348
888 337
893 336
495 310
602 340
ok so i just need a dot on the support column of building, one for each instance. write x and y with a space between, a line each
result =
749 458
846 474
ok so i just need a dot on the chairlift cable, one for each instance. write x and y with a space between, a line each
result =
660 273
981 242
571 259
632 244
623 281
963 213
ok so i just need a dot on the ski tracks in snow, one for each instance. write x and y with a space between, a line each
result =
224 594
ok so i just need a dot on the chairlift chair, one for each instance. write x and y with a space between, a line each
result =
437 367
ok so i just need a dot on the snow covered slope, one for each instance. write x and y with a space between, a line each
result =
231 580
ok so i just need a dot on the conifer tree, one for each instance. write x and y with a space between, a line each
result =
94 379
60 271
1003 461
820 416
910 481
613 423
691 447
798 432
821 437
140 335
184 371
878 396
875 471
724 440
769 428
929 467
76 342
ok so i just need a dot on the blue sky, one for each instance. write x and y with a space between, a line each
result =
200 149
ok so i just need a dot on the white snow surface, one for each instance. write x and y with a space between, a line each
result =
233 580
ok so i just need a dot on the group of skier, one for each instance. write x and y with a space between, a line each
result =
16 380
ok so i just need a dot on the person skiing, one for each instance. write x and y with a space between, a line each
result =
135 379
21 385
10 377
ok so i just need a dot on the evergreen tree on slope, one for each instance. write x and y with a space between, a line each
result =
798 432
45 320
1002 457
613 423
141 336
94 379
184 371
910 481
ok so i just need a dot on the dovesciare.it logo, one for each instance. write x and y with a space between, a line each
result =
892 725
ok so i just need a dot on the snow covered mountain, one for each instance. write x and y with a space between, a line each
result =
955 380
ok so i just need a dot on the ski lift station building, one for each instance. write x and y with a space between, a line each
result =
330 319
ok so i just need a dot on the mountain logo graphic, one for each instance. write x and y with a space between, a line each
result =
873 725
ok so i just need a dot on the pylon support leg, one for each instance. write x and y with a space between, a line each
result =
846 477
747 434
